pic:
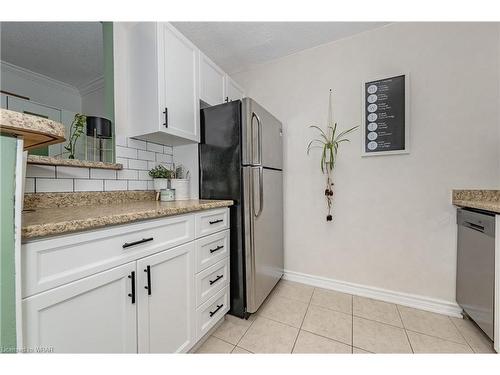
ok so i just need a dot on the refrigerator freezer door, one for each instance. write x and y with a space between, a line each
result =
263 232
262 136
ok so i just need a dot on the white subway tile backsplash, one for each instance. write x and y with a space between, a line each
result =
107 174
137 164
29 185
163 158
110 185
145 155
135 143
125 152
72 172
144 175
48 171
136 156
52 185
137 185
127 174
155 147
89 185
123 162
120 140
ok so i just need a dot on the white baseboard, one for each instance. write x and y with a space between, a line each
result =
404 299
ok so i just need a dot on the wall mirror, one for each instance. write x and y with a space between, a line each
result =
62 71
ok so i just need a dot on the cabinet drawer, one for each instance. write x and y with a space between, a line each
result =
49 263
211 280
211 249
211 312
212 221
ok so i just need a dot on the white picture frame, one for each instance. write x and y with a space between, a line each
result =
406 149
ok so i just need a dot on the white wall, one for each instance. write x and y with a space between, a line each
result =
39 88
394 225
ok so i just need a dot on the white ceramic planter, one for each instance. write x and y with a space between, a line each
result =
160 183
181 186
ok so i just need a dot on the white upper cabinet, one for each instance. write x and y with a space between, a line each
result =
211 81
163 91
232 90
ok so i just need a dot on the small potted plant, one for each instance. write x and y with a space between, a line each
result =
160 175
180 182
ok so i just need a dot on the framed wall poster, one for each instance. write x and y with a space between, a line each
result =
385 106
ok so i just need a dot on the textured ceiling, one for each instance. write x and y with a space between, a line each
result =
238 46
70 52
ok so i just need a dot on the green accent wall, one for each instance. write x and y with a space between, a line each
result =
8 146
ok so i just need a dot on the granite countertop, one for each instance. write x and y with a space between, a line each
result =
36 131
49 160
49 221
487 200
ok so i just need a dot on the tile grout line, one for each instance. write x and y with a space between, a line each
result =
244 333
461 334
352 324
404 329
301 323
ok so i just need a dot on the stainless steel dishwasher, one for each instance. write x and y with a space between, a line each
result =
476 266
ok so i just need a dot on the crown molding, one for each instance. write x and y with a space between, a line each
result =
94 85
39 78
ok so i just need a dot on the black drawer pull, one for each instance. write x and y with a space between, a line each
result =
128 244
216 249
148 270
216 279
212 313
216 221
132 295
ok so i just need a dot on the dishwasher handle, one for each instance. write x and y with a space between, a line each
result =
470 225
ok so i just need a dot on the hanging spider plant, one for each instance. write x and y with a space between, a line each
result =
329 142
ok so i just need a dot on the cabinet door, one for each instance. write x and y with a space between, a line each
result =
211 81
91 315
233 90
166 296
178 76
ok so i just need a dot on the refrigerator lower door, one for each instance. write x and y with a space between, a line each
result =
263 199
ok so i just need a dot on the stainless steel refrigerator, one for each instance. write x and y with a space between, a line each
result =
241 158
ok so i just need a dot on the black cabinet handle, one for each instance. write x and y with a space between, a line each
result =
216 279
148 270
132 295
212 313
128 244
216 249
216 221
165 112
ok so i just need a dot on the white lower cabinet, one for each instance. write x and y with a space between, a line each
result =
166 301
91 315
159 296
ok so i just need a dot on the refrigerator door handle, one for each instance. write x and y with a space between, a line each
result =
261 192
259 139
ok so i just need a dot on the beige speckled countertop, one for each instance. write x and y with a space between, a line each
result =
36 131
62 220
487 200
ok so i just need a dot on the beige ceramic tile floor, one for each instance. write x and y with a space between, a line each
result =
297 318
